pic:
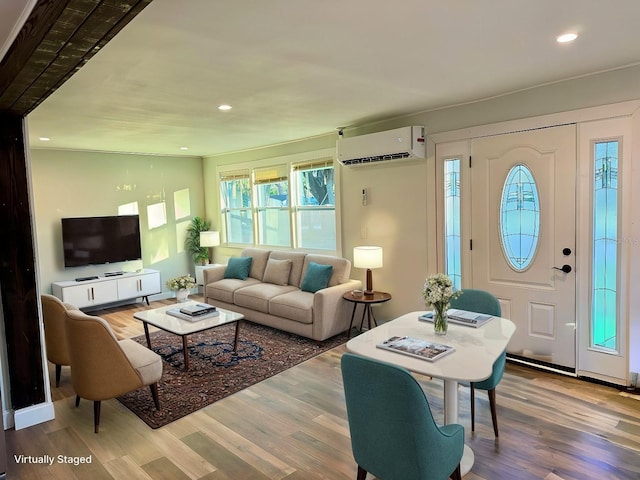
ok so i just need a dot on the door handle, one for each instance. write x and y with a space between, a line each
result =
565 268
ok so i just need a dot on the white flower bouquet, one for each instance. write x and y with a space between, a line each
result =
437 292
438 289
183 282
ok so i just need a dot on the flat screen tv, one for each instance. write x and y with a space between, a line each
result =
100 240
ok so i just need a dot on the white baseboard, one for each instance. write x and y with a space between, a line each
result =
7 419
26 417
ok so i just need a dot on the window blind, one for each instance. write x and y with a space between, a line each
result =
236 175
275 173
316 164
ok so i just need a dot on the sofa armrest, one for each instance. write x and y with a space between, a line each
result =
213 273
330 311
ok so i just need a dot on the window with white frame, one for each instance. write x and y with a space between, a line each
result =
236 205
284 205
271 187
315 204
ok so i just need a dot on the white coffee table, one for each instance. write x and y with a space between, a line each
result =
158 317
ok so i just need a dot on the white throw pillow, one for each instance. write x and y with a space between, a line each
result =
277 272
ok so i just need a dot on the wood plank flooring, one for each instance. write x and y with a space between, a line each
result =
293 426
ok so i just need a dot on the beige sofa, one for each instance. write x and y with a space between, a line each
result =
272 295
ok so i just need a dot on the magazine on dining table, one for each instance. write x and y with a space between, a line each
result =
416 347
461 317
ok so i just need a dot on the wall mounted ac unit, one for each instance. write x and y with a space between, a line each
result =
400 144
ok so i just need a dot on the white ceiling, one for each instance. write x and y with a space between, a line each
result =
299 68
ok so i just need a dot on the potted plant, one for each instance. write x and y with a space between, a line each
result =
192 242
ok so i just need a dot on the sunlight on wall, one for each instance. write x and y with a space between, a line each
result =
182 203
128 209
157 248
156 215
181 235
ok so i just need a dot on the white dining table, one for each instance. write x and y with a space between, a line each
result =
475 351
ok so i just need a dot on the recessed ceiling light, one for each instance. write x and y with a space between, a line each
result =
184 148
44 139
224 108
567 37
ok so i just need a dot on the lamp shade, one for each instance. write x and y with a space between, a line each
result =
209 239
367 257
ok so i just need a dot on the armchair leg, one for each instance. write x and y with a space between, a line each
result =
58 371
96 415
472 394
77 401
492 404
154 394
456 475
362 473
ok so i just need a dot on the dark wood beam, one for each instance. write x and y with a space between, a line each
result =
58 38
41 20
17 272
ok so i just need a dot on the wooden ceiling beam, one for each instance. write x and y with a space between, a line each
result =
40 21
58 38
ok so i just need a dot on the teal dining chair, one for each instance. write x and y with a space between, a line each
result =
481 301
393 433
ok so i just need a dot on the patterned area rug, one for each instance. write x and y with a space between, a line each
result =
214 370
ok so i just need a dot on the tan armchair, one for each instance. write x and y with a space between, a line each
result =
103 367
55 336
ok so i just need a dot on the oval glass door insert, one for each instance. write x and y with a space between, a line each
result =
519 218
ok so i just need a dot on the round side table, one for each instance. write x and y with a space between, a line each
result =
366 301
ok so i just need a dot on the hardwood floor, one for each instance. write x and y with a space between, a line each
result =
293 426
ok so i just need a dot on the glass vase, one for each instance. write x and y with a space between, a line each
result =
440 324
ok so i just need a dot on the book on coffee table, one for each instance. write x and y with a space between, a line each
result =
197 309
416 347
175 312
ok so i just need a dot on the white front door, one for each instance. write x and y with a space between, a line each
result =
523 236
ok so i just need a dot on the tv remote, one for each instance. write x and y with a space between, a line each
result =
84 279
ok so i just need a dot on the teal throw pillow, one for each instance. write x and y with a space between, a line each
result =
238 267
316 278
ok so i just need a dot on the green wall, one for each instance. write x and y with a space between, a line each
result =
78 184
400 214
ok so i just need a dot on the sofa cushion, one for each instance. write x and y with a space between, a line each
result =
238 267
257 297
296 305
277 271
316 277
223 290
259 263
341 267
297 263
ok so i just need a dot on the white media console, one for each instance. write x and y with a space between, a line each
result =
109 289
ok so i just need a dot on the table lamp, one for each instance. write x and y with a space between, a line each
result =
209 239
367 257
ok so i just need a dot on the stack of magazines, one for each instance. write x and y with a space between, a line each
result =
198 311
